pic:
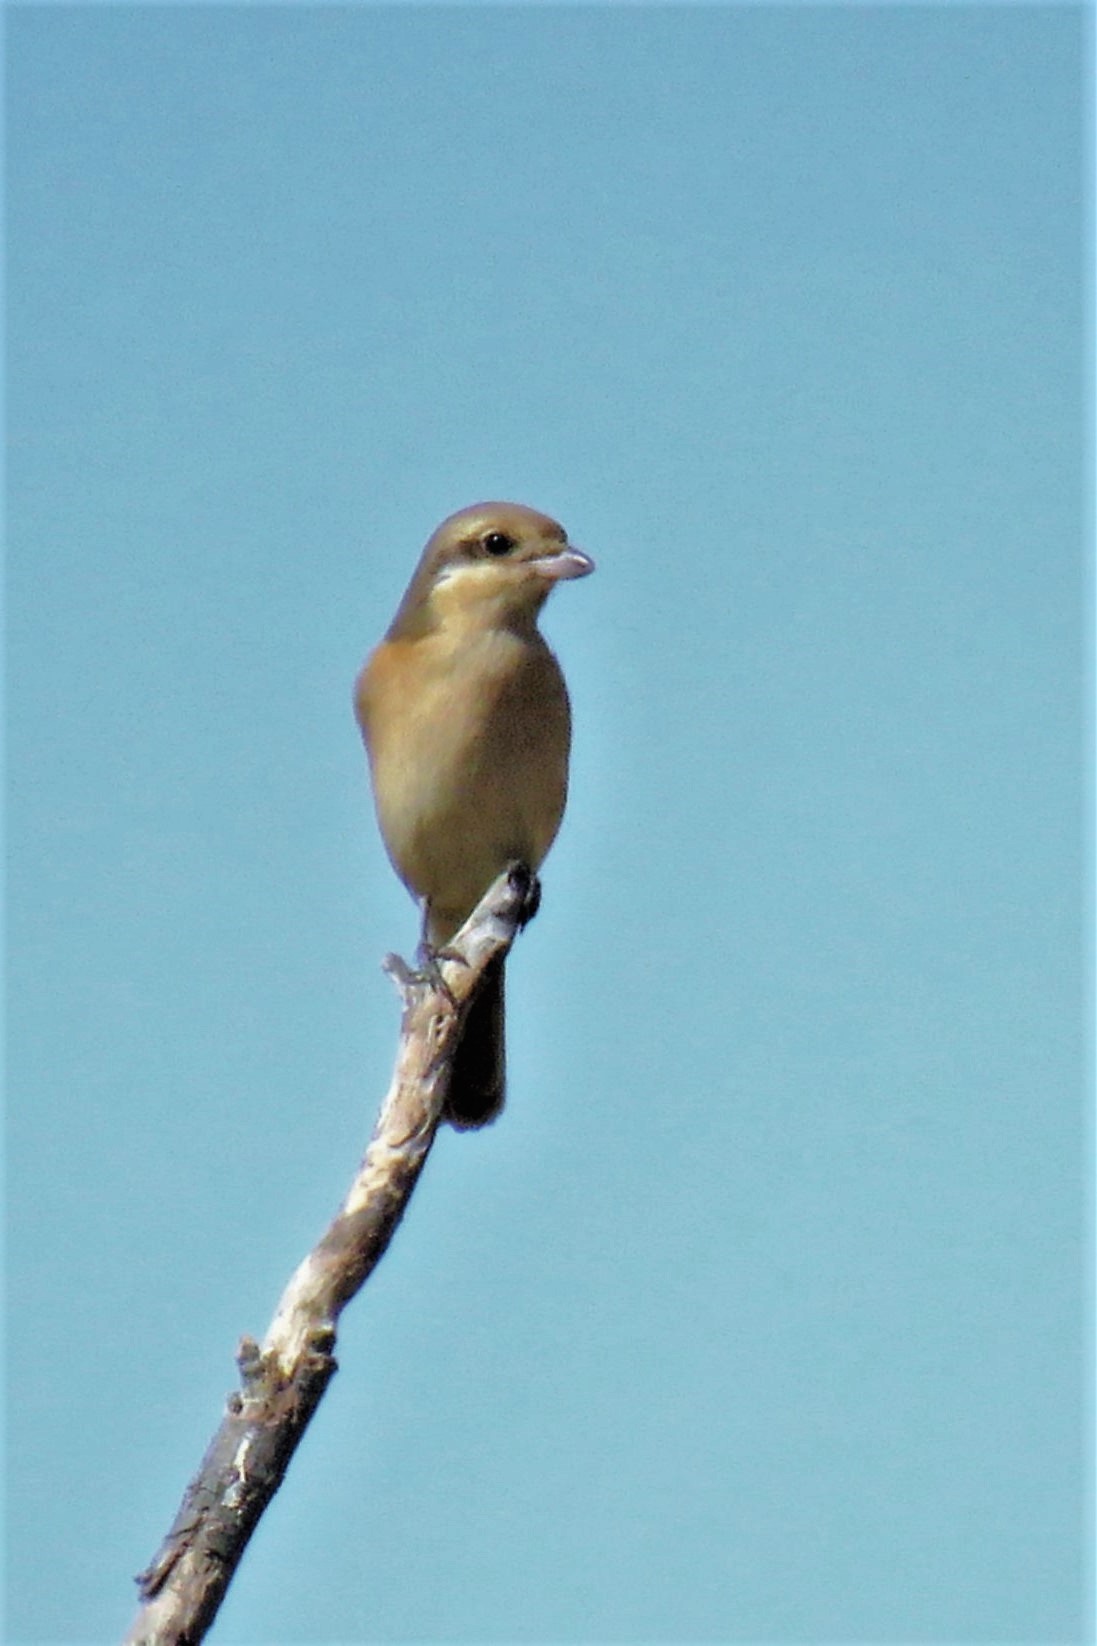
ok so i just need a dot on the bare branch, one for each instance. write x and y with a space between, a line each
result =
284 1377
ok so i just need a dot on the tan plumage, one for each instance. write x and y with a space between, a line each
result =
465 716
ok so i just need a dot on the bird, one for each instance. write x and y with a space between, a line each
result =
467 725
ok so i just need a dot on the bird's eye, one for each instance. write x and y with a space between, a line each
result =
497 543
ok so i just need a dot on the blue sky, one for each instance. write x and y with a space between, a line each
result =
761 1314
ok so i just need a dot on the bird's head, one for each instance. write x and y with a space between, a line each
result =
491 564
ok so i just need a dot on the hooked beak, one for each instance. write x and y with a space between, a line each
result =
563 563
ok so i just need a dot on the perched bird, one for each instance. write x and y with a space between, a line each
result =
466 721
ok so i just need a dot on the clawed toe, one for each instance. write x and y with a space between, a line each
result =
430 968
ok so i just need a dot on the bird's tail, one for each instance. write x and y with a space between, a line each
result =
478 1086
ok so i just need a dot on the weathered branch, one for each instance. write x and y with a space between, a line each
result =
284 1377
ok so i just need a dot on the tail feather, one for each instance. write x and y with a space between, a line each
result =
478 1086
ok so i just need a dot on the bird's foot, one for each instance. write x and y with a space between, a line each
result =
526 889
426 975
430 969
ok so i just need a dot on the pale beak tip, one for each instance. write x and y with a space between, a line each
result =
569 562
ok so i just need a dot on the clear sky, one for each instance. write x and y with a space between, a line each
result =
760 1315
